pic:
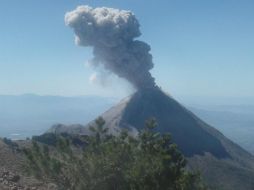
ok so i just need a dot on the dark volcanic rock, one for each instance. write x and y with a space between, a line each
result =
186 130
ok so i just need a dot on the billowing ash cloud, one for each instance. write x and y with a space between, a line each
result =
111 33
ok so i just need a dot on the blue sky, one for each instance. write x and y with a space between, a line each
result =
200 48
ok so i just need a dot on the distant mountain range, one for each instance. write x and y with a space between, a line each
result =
26 115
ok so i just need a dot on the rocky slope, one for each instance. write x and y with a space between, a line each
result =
12 174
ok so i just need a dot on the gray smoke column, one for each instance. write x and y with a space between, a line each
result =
111 33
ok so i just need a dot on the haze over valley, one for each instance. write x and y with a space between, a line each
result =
27 115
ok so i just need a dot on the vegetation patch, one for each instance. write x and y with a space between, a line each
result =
150 161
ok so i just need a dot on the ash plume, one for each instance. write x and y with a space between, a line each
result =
111 33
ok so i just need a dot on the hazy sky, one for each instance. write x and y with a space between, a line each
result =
200 48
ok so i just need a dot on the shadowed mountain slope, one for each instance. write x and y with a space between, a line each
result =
186 130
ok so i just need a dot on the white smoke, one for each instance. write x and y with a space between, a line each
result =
101 79
93 79
111 33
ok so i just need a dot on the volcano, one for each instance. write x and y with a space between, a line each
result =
222 163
